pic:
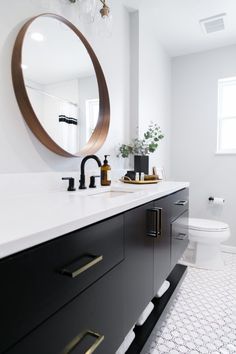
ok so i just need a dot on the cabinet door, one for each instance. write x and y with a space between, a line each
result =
138 264
179 237
162 242
92 321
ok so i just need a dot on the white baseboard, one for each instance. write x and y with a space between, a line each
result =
228 249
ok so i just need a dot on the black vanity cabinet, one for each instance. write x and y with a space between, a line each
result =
154 242
92 320
162 242
178 226
171 233
138 264
179 237
85 290
38 282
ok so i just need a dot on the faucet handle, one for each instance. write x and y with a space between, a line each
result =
71 187
92 181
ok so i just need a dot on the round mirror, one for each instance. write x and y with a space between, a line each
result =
60 86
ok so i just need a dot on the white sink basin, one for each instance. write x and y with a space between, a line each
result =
111 194
106 192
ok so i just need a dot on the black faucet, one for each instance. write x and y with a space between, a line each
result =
82 175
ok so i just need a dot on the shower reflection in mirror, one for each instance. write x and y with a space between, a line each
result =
69 110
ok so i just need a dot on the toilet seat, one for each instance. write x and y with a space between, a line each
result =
207 225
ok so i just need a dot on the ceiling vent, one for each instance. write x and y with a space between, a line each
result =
213 24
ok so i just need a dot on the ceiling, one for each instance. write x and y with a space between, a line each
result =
176 23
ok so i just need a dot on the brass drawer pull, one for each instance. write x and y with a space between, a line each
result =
181 202
73 273
73 344
181 236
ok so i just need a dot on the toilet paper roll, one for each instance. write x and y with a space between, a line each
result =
165 286
145 314
217 201
126 343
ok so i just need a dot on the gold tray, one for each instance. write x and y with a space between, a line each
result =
141 182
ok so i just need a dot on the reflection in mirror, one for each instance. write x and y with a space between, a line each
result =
61 83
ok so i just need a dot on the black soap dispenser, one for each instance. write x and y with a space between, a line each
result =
106 173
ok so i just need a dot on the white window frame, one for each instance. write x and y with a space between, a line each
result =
221 83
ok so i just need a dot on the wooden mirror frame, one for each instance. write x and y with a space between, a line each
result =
99 135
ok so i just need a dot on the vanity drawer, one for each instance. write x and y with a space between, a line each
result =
37 282
179 237
97 312
179 202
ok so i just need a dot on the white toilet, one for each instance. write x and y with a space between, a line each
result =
205 237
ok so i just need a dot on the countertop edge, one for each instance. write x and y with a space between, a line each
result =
31 240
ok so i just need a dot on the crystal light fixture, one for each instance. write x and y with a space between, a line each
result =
105 10
89 5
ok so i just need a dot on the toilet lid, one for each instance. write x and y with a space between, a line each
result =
206 225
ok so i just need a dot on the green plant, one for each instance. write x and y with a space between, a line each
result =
144 146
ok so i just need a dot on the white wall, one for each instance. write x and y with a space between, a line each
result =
154 90
150 86
194 130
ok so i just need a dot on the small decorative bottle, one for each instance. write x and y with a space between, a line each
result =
106 173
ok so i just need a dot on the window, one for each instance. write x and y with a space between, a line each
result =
226 142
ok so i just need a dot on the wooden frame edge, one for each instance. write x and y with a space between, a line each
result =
100 133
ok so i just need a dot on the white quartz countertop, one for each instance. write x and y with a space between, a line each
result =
28 220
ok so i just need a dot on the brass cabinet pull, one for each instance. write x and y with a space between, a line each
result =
181 236
73 344
157 230
181 202
73 273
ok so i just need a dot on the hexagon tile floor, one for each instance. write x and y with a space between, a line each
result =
203 316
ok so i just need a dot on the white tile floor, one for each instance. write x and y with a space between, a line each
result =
203 316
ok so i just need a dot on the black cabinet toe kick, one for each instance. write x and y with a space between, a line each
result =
145 334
